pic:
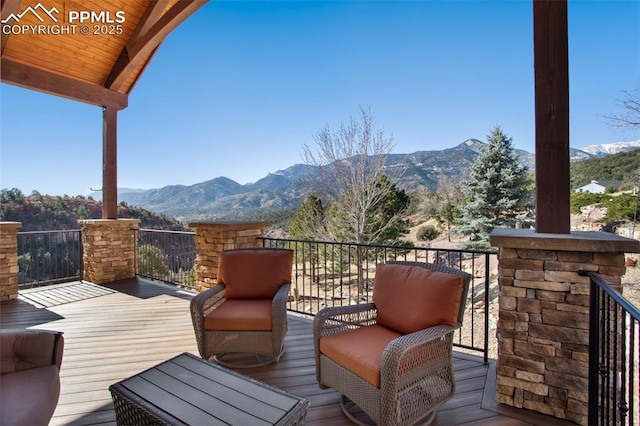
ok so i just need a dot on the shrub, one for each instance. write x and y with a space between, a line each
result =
427 233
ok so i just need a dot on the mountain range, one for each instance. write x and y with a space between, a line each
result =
223 198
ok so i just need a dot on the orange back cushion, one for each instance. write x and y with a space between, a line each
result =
411 298
254 273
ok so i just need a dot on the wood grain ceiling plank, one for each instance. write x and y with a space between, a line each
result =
102 49
88 67
94 47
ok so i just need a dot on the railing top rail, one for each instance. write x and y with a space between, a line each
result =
160 231
452 250
48 232
619 299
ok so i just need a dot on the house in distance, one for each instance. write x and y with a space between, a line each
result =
599 186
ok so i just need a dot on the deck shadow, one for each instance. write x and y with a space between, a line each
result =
146 289
22 314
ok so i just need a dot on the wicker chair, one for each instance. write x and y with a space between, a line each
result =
246 311
30 361
392 358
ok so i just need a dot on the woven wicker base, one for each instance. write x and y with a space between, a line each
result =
348 407
239 360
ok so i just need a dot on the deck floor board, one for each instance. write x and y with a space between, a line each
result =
117 330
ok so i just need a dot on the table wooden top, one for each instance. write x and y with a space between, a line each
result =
195 391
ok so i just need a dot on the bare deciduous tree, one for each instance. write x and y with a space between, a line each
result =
364 203
351 161
450 196
630 117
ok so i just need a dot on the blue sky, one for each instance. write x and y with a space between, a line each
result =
241 86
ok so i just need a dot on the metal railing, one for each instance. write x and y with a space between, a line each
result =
325 273
337 274
614 356
48 257
167 256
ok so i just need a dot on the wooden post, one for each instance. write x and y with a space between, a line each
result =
109 163
551 62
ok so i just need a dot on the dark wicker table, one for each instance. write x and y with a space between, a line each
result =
189 390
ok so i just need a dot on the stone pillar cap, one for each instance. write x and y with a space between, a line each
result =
232 225
586 241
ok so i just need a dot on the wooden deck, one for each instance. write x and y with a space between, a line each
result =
117 330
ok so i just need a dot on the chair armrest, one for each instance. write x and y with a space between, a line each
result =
412 356
30 348
337 319
206 301
201 304
279 315
279 306
281 298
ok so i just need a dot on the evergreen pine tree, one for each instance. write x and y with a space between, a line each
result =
498 192
308 223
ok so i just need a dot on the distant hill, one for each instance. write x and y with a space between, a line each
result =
282 191
221 197
611 148
46 212
621 167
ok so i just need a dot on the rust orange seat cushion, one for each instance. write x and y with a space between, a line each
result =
359 350
254 273
245 315
411 298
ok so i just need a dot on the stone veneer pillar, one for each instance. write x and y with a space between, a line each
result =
214 237
109 249
543 317
9 260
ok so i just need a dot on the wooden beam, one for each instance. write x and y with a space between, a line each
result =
151 16
148 37
551 63
7 8
31 78
109 163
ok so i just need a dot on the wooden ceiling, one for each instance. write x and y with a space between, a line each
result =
46 46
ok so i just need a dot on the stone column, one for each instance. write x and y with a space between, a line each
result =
109 249
543 318
9 260
214 237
